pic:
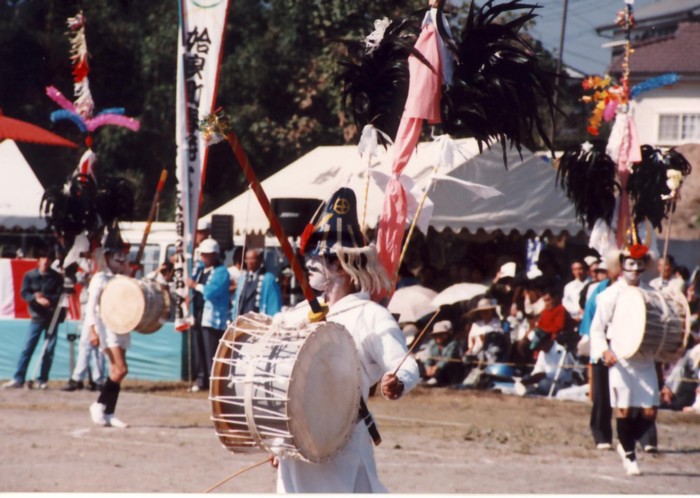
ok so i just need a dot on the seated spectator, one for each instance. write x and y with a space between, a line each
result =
668 277
681 388
443 365
487 340
553 367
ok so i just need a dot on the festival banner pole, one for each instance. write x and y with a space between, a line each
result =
200 38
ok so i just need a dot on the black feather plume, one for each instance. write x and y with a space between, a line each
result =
588 178
70 209
115 201
375 83
499 86
647 184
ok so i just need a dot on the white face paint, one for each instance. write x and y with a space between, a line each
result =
632 270
322 275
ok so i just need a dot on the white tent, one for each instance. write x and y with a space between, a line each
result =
531 199
20 193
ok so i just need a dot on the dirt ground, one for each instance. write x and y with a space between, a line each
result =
434 441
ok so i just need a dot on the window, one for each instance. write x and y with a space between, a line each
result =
679 127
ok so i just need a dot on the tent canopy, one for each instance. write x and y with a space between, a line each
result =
21 192
531 200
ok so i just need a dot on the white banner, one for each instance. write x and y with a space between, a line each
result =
200 37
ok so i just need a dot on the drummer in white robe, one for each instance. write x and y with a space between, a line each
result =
345 270
634 389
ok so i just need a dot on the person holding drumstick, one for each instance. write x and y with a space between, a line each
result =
113 260
345 270
634 386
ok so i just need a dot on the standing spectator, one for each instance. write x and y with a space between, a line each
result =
572 290
634 386
443 365
668 278
257 290
42 289
599 390
90 359
215 296
599 274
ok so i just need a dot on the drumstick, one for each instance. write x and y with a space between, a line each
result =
239 472
416 341
218 125
151 217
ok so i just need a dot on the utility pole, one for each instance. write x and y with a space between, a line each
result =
559 61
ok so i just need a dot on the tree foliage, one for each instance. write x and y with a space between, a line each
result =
276 81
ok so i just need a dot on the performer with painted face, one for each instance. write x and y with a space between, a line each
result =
344 269
634 388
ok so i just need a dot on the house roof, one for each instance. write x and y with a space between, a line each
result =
676 53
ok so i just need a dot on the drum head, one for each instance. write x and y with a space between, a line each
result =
324 393
627 327
122 304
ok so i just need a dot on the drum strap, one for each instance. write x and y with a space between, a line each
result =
369 422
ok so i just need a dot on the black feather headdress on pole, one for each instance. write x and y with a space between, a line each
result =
375 75
647 184
587 175
499 85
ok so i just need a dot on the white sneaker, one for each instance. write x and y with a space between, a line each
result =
603 446
113 421
631 467
194 389
431 382
97 413
12 384
42 385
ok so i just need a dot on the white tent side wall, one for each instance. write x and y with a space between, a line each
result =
21 192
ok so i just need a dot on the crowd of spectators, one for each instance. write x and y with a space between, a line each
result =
528 332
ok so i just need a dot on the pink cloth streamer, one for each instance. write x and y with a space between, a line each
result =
422 102
112 119
610 110
55 95
630 152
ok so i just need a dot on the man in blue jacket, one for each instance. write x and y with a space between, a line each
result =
212 283
257 289
42 289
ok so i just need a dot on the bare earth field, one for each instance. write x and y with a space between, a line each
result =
434 441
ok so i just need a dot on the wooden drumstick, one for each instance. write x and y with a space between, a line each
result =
218 126
239 472
417 340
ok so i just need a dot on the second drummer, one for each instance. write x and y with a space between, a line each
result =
345 270
114 261
634 389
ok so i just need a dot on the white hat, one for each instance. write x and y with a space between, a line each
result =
602 266
209 246
442 327
203 225
507 270
589 260
482 305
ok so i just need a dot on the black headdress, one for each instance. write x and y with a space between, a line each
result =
499 86
647 184
375 77
587 175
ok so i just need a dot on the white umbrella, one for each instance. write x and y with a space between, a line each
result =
458 292
412 303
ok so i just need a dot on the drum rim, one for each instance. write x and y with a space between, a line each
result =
352 417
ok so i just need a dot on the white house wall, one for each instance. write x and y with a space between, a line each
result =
683 97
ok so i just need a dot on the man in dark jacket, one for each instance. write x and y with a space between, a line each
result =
42 289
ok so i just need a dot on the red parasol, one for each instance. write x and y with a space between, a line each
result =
21 131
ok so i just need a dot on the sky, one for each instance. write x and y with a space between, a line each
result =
582 45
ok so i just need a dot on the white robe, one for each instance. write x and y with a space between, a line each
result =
381 346
633 381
